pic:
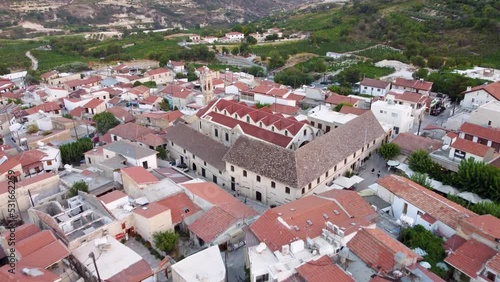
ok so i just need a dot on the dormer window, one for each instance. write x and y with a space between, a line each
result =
272 128
248 119
286 132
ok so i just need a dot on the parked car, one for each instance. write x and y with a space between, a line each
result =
183 167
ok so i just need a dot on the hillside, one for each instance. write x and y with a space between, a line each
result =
26 18
457 31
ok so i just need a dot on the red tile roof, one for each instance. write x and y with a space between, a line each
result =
351 110
139 175
156 71
322 270
8 165
77 112
284 109
138 271
93 103
80 82
470 258
41 249
112 196
416 84
212 224
409 143
48 74
130 131
453 243
170 115
355 205
375 83
489 133
121 114
470 147
409 97
424 199
180 206
241 86
115 100
278 92
152 139
493 89
494 263
336 99
30 158
487 223
377 249
45 107
22 232
151 210
270 230
295 97
19 276
151 100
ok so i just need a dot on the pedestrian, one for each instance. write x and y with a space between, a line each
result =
378 174
373 170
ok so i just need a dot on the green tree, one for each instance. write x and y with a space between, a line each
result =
73 152
479 178
420 161
251 40
78 186
150 84
235 50
418 61
435 62
164 105
420 74
225 50
32 128
137 83
166 241
105 121
389 151
293 77
162 153
338 107
276 60
421 178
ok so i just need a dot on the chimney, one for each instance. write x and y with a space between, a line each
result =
469 88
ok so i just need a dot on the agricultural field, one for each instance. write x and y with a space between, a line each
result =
13 53
49 60
306 46
381 52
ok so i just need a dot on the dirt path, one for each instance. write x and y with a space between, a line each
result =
34 61
296 59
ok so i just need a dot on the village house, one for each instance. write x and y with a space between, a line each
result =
73 85
414 204
176 67
208 263
374 87
194 37
122 114
210 39
129 131
487 136
479 95
336 99
226 120
463 149
11 165
150 103
409 143
199 152
94 107
126 78
59 79
47 183
6 85
134 154
284 238
136 93
275 175
135 178
45 77
31 161
40 252
160 76
179 96
235 36
325 119
415 100
399 116
486 115
8 97
158 120
412 85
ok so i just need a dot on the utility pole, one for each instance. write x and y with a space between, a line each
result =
74 127
91 255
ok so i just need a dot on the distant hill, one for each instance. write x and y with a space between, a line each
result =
93 15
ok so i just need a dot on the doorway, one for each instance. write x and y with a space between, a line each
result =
258 196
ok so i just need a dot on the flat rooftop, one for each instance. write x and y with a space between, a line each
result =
328 115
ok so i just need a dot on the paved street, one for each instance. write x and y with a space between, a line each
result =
375 162
235 265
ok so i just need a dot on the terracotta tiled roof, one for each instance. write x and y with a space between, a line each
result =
30 158
351 110
470 258
487 223
80 82
375 83
180 206
41 249
295 97
322 270
138 271
212 223
151 100
152 139
8 164
336 99
262 89
139 175
284 109
409 143
121 113
278 92
453 243
22 232
45 107
408 96
471 147
93 103
77 112
114 101
170 115
318 209
19 276
424 199
376 248
493 89
416 84
156 71
198 144
489 133
130 131
241 86
451 135
48 74
151 210
112 196
355 205
494 263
